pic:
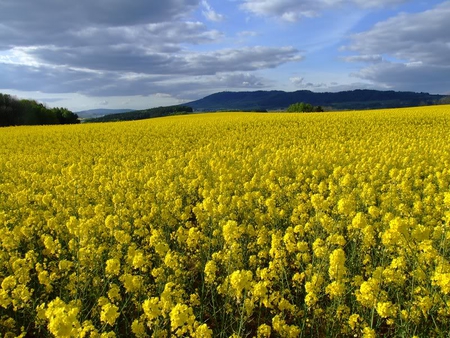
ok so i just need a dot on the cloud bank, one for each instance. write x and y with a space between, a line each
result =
123 48
408 51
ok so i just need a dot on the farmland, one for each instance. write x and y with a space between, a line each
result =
228 224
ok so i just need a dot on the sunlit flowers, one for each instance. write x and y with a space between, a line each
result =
228 225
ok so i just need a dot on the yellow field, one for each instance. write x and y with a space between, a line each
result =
243 225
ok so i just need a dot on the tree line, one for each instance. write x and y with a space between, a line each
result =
15 112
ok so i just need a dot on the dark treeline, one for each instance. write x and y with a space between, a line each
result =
143 114
15 112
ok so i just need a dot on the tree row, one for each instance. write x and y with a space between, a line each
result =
14 112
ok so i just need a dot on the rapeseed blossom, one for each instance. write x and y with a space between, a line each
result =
109 313
62 319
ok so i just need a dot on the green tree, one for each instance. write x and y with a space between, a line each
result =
300 107
6 110
318 109
65 116
15 112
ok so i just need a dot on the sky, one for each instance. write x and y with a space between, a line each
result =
138 54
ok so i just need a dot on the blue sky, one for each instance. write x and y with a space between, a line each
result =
85 54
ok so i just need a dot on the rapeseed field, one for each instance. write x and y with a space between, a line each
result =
228 225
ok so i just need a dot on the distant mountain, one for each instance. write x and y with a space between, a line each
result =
280 100
100 112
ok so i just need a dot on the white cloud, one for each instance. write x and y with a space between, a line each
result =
296 80
247 34
364 58
165 95
210 14
289 10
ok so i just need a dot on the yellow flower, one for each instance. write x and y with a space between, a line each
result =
131 282
259 290
138 260
359 221
202 331
264 331
109 313
9 283
335 289
346 206
240 281
151 308
386 309
369 333
368 292
443 281
138 328
337 269
312 289
194 236
230 231
112 267
114 292
319 248
353 321
62 319
210 271
181 319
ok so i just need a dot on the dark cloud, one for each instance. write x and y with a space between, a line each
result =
294 10
90 22
49 79
119 47
160 36
63 80
51 15
110 58
141 60
187 88
243 59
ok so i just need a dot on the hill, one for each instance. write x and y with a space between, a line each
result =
143 114
85 114
280 100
